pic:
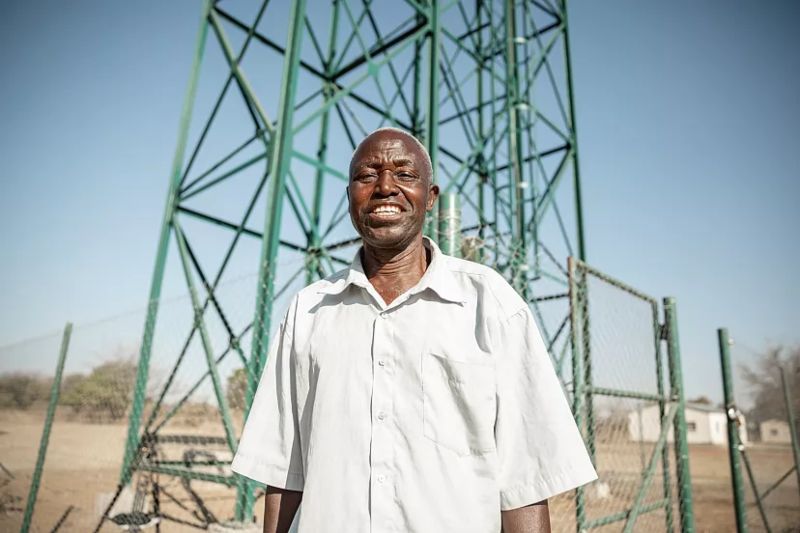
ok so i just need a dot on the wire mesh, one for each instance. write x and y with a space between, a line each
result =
768 463
182 421
617 379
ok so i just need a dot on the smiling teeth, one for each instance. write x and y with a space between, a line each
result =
386 210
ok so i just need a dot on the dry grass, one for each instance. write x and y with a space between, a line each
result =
83 465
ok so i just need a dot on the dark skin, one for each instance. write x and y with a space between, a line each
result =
389 172
391 189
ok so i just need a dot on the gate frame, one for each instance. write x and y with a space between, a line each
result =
671 406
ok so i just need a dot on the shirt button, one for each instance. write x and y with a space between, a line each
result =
381 478
381 415
381 363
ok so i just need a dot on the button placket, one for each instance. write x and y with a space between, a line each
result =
382 447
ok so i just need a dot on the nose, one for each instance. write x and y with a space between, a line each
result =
386 185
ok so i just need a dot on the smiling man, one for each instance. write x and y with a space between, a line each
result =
410 392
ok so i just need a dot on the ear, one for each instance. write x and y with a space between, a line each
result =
433 194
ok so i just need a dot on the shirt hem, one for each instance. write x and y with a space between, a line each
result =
536 491
268 474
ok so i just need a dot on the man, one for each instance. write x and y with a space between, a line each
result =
410 392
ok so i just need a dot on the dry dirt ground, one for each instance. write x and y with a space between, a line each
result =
83 464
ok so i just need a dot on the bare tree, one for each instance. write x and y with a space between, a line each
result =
764 382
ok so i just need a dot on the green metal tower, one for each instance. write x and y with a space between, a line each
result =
279 95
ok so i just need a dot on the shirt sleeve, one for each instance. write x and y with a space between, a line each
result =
269 450
540 450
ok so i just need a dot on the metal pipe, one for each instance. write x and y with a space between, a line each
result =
733 430
787 397
676 390
450 224
662 406
577 381
432 117
55 390
314 240
279 163
573 138
143 368
482 178
517 196
754 488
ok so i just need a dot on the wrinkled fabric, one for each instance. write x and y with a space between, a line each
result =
428 415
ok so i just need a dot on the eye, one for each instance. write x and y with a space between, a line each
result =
365 176
405 175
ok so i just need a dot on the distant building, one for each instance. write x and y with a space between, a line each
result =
704 425
775 432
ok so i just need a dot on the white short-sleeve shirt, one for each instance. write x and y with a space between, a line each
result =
431 414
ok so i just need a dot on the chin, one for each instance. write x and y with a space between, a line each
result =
388 237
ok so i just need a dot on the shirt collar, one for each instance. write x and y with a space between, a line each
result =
437 277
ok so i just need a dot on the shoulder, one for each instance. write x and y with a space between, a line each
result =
488 283
312 294
321 285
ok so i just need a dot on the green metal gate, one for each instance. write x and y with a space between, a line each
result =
627 398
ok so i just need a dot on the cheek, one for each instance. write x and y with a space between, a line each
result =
356 198
420 199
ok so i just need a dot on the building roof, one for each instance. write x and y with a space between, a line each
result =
705 408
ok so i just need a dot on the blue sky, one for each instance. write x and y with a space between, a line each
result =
687 122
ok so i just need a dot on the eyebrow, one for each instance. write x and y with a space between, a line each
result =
399 162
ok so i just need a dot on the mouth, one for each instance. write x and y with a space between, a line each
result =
386 211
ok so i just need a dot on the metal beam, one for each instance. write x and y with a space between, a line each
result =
143 366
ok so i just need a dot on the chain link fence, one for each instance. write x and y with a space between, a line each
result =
183 429
617 377
616 374
762 405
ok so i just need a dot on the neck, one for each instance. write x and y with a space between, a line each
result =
392 272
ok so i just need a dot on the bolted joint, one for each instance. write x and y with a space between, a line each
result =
662 332
734 414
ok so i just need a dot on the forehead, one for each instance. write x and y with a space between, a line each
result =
386 146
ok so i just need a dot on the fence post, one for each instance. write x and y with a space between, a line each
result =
48 423
787 397
577 379
676 392
449 238
732 413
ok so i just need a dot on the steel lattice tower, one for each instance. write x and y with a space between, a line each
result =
486 85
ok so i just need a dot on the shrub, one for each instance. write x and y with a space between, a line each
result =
105 394
21 390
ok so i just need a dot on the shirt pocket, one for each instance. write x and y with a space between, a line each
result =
458 404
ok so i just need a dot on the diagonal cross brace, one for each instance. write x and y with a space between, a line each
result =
647 476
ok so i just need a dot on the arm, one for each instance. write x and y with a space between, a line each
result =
280 506
540 450
534 518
